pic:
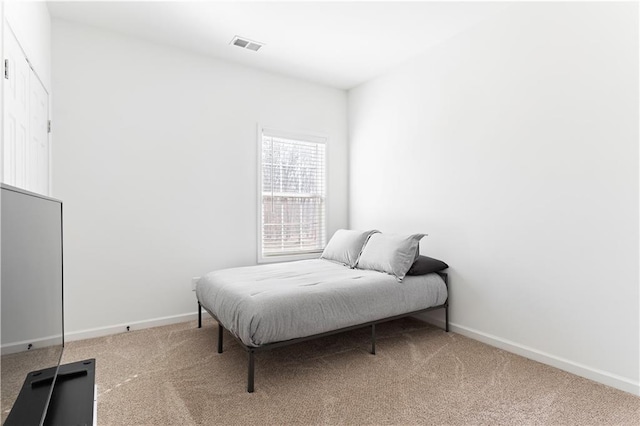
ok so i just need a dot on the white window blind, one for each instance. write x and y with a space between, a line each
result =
293 195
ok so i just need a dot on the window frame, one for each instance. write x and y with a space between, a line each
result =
310 136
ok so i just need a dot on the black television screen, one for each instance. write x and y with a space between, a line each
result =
31 323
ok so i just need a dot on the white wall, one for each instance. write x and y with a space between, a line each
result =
155 161
515 147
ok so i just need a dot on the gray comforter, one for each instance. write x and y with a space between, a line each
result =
271 303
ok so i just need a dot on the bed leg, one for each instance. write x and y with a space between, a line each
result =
220 330
251 371
199 315
446 318
373 339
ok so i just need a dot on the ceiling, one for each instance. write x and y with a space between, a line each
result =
339 44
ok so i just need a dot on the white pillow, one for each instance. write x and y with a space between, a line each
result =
393 254
345 246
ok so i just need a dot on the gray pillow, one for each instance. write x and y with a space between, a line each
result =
393 254
345 246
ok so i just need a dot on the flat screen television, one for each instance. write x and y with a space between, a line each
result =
31 297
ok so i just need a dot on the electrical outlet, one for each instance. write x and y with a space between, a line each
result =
194 281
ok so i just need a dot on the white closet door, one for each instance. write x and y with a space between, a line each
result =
26 116
16 113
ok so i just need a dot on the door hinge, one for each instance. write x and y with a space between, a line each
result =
6 69
49 126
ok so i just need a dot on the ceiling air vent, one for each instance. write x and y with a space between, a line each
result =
245 43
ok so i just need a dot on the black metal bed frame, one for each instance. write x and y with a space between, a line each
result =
251 350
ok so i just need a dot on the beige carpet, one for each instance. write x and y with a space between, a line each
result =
421 375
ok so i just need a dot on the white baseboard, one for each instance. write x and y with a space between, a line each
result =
429 318
122 328
600 376
43 342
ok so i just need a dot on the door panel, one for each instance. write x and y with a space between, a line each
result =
15 113
38 152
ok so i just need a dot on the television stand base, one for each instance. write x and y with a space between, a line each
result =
72 401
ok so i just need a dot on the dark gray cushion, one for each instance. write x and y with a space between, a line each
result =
426 265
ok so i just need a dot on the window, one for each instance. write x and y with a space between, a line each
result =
292 185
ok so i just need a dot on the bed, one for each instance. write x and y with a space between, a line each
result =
274 305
